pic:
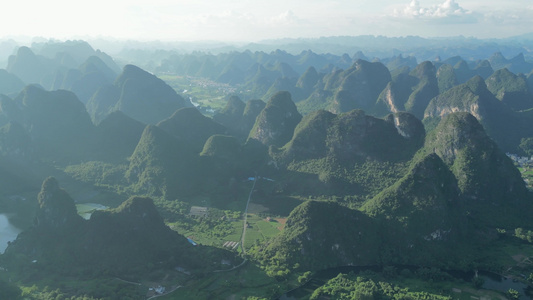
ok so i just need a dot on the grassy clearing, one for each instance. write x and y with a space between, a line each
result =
258 230
268 228
277 206
225 223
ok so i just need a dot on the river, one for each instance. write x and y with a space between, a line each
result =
8 232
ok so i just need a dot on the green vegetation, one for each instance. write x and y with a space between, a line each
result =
352 287
446 78
526 145
364 179
145 97
510 89
333 188
191 127
276 122
98 173
246 282
526 235
210 95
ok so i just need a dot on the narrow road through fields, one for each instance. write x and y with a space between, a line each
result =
243 231
246 217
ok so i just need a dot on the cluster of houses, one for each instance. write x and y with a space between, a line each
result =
158 290
522 161
223 88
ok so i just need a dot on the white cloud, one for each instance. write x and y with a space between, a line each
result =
287 17
225 17
253 20
449 10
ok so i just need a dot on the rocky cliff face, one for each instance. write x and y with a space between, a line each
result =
472 97
408 126
395 95
500 122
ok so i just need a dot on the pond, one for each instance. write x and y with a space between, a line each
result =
86 209
498 283
8 232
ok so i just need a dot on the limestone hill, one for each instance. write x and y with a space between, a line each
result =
125 241
189 125
116 137
145 97
354 136
231 115
320 235
139 95
510 89
276 122
10 84
486 177
360 86
162 165
422 214
56 121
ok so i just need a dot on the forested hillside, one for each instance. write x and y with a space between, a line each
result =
245 175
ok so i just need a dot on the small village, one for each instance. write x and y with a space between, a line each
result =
521 161
525 165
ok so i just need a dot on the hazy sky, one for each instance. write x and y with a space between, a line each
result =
247 20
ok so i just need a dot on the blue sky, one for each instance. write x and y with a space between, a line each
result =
247 20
